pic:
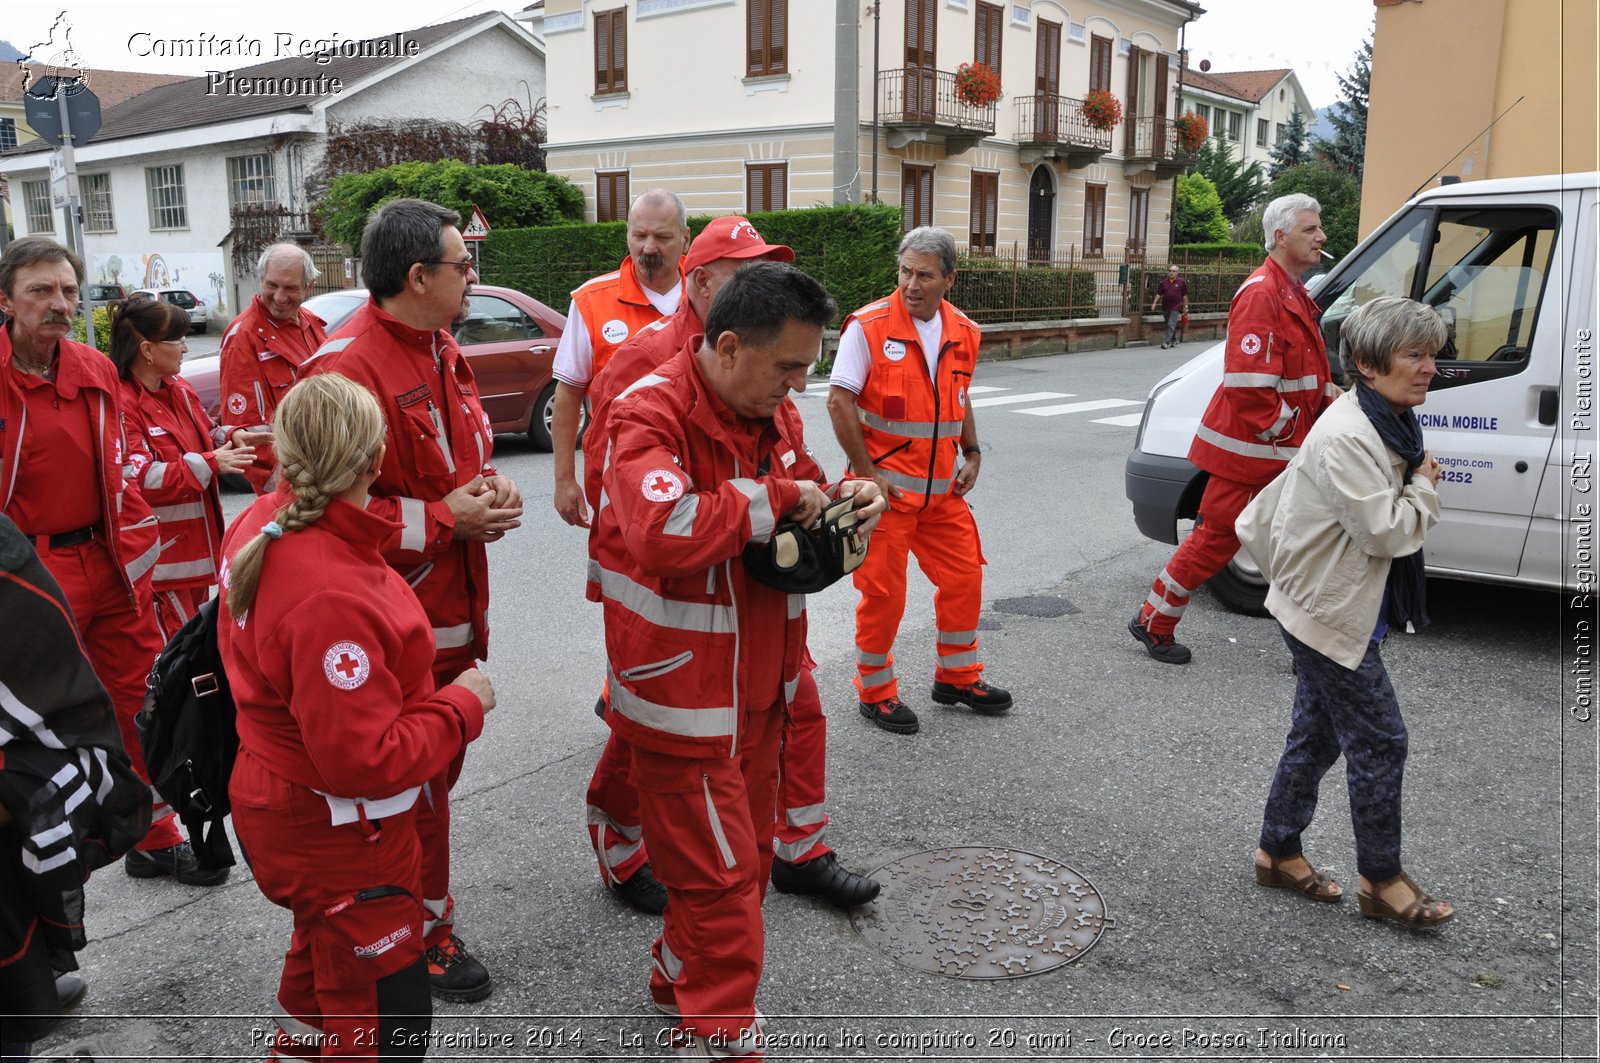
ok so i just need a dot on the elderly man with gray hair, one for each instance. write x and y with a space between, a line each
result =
1275 383
265 346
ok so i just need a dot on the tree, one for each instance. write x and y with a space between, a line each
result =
508 195
1292 149
1347 150
1238 186
1198 209
1336 192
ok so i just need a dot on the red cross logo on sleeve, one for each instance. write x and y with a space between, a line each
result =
662 485
346 665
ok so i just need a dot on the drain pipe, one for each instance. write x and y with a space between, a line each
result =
846 102
876 12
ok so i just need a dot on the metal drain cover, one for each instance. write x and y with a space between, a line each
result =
976 912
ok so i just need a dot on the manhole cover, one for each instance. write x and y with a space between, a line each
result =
1047 606
975 912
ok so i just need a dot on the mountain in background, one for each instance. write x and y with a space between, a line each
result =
1323 126
8 54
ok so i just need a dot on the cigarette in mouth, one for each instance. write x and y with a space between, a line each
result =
1324 254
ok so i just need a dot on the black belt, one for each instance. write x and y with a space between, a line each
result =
66 539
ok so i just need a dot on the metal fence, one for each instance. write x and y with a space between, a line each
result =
925 96
1011 287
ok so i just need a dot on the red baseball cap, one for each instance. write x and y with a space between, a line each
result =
732 237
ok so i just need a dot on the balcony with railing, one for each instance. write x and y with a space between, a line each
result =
920 104
1053 128
1152 144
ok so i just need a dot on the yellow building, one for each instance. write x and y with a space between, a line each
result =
1444 71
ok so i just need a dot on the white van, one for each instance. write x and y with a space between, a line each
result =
1510 264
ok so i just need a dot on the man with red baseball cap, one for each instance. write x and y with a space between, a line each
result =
803 863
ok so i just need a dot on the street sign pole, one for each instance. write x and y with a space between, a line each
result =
74 208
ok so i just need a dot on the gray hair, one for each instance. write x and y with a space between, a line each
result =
662 197
294 251
1281 212
400 234
30 251
1384 327
929 240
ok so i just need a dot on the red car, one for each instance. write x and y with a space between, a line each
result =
509 339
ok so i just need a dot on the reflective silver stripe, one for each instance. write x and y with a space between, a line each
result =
958 660
155 475
649 380
414 517
450 638
1250 380
1304 383
143 563
418 574
186 511
716 722
797 606
663 612
1173 586
670 966
806 815
761 519
716 825
877 679
919 484
681 520
183 570
1285 415
958 638
789 689
872 659
617 854
594 571
1239 446
302 1033
333 347
1332 390
792 851
1165 607
197 465
908 429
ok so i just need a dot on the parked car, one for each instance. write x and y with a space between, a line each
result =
199 316
104 294
509 339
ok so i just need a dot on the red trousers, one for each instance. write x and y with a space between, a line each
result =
710 822
175 605
944 540
616 828
433 825
1202 555
122 642
354 982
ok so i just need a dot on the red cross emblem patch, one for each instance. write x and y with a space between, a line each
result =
346 665
662 485
1251 344
236 404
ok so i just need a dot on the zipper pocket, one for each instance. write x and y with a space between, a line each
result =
658 668
891 453
716 824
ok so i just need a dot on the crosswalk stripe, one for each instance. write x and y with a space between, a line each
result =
984 389
1126 420
1080 407
1006 400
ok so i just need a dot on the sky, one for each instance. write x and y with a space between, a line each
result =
1233 34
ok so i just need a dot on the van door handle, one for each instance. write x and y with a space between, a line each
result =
1548 406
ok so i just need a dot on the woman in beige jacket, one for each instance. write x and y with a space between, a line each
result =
1339 534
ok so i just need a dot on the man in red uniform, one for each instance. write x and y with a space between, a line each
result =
706 455
804 863
436 483
1275 383
605 312
265 346
63 466
899 406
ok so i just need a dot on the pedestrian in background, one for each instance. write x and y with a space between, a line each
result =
1340 534
1172 299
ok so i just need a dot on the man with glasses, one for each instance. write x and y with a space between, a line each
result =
436 484
265 346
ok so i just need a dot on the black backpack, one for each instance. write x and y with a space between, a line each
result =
186 728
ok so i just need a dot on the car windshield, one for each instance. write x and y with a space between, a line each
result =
334 307
183 299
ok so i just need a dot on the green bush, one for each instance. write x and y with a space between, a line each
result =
997 289
102 328
1211 288
1224 250
1198 210
507 194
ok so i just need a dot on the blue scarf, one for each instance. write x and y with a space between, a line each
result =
1402 433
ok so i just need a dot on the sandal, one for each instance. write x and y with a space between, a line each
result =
1423 913
1316 885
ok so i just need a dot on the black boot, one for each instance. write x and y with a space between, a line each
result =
823 877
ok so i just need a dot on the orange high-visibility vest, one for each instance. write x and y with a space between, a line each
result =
614 308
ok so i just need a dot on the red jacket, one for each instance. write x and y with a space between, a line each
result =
84 371
912 424
1275 381
614 308
332 667
689 637
258 363
176 470
438 440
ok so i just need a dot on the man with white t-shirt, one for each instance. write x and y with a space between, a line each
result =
899 406
605 312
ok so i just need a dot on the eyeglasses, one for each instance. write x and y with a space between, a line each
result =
464 265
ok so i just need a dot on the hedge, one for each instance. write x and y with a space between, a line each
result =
991 289
1210 289
850 249
1224 250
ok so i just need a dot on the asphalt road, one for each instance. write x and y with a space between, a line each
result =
1145 779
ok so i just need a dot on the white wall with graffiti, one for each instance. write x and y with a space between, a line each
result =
202 272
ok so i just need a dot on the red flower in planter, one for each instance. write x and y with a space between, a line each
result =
1192 132
1101 109
977 85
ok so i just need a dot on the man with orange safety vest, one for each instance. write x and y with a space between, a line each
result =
899 406
1275 383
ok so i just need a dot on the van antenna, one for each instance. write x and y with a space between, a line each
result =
1465 146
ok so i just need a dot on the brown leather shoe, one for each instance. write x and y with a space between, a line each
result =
1316 885
1423 913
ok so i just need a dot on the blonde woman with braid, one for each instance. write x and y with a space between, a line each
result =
340 726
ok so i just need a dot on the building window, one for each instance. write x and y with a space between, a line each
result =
985 212
250 181
991 27
766 38
168 205
1100 63
1138 221
8 133
97 214
1204 112
766 186
1277 133
611 196
1235 122
916 195
36 200
1261 132
1094 220
611 52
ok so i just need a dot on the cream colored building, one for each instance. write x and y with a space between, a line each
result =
1444 71
747 105
1249 109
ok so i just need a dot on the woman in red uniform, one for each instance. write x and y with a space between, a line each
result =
340 727
179 452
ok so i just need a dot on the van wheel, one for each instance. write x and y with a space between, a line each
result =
1241 586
